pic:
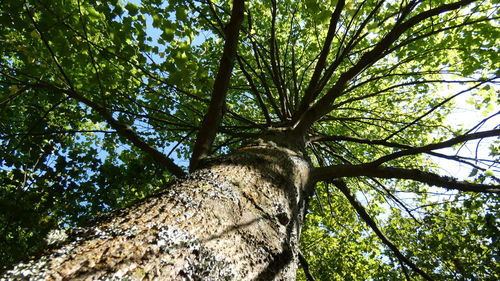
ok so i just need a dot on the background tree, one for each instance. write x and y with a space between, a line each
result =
105 102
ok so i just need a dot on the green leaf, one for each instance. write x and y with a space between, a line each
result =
132 8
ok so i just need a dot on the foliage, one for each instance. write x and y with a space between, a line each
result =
91 92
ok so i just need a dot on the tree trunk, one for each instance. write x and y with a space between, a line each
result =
237 217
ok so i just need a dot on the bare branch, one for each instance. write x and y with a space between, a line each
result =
482 122
397 86
364 215
215 111
262 80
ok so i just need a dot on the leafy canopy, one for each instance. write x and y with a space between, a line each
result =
102 102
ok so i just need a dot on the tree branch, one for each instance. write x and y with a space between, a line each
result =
276 74
436 107
262 80
215 111
255 91
310 91
262 64
385 143
305 267
323 106
364 215
339 171
395 199
429 147
357 140
56 133
353 42
122 129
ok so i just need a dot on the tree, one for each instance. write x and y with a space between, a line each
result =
311 129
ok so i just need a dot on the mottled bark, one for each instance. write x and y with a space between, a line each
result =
237 217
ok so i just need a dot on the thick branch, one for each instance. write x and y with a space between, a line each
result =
320 65
385 143
274 56
323 106
123 130
213 117
353 42
364 215
339 171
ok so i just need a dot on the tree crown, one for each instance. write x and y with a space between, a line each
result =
105 101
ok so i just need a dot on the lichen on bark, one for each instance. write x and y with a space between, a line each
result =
237 217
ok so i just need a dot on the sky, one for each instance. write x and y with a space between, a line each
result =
467 116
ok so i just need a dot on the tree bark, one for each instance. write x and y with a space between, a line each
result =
237 217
